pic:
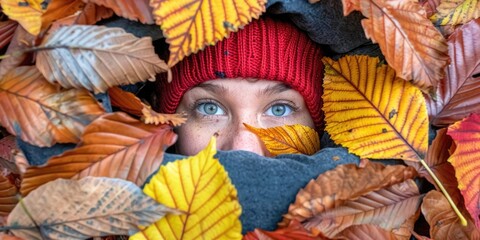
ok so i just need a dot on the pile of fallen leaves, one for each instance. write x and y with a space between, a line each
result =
55 59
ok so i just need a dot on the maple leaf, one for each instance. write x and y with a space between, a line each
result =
288 139
191 25
207 197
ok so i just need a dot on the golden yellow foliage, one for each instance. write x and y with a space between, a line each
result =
372 112
28 13
453 12
191 25
200 187
288 139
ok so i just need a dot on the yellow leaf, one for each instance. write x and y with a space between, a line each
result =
288 139
152 117
453 12
200 187
372 112
191 25
27 12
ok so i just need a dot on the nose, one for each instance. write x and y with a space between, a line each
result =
239 138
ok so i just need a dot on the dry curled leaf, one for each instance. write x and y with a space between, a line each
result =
372 112
288 139
8 195
114 145
466 135
80 209
136 10
333 188
41 114
191 25
457 94
126 101
97 58
444 223
387 208
294 230
200 187
408 40
152 117
21 40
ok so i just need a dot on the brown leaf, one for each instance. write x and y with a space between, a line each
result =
114 145
90 14
294 230
387 208
59 9
430 6
7 29
365 232
21 40
288 139
444 223
333 188
457 94
110 57
7 147
136 10
8 195
405 231
407 38
40 113
126 101
437 159
152 117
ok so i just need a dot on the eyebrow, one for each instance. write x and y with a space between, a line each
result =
277 88
217 89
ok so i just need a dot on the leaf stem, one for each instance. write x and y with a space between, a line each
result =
4 56
463 221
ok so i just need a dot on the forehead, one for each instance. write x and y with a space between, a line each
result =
227 85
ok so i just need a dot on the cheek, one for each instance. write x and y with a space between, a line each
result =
192 138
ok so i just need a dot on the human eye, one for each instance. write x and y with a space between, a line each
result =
209 108
280 110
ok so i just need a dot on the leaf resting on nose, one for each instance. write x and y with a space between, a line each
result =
288 139
199 186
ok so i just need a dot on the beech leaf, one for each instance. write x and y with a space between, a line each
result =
455 12
40 113
372 112
21 40
288 139
408 40
126 101
136 10
59 9
387 208
333 188
430 6
295 230
444 223
191 25
8 196
152 117
114 145
200 187
89 15
366 232
466 135
97 58
79 209
28 13
7 28
457 94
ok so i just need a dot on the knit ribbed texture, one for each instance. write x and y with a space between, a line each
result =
265 49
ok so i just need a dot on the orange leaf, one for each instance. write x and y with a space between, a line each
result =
58 9
136 10
366 232
8 196
40 113
372 112
114 145
444 223
288 139
126 101
7 28
90 14
457 94
387 208
295 230
466 135
408 40
152 117
333 188
191 25
20 41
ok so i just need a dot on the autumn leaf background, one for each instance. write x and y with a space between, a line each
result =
62 68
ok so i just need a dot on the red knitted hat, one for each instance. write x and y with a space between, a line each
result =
265 49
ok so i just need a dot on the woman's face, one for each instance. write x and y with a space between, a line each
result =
222 106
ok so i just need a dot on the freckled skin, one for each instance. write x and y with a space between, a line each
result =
241 101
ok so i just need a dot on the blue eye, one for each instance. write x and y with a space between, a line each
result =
210 108
279 110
